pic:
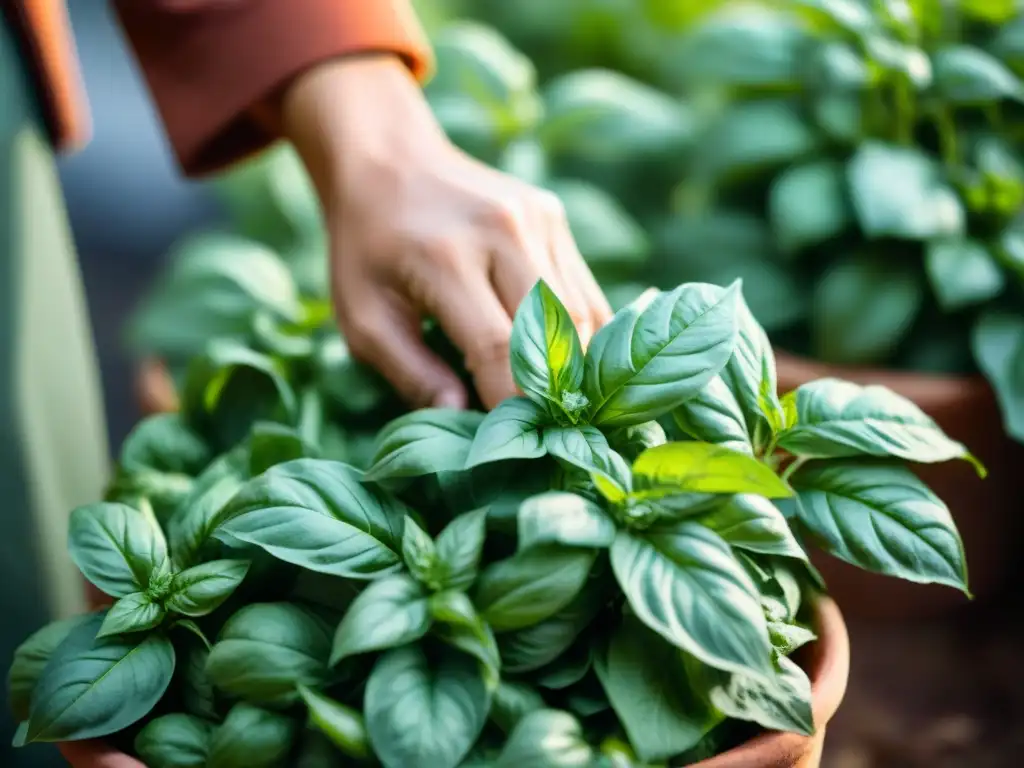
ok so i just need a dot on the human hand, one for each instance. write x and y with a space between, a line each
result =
419 229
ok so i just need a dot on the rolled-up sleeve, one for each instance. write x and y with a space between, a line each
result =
208 62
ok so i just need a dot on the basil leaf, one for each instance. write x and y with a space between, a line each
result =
510 431
117 548
164 442
419 554
175 741
883 519
514 700
389 612
654 355
962 273
583 447
459 625
750 374
753 523
251 737
533 647
965 75
424 442
343 725
787 637
423 715
95 687
677 468
136 612
779 703
547 738
201 589
531 586
901 192
630 442
459 547
997 341
547 359
273 444
31 658
682 581
839 419
563 518
197 694
807 205
714 415
318 515
648 688
265 650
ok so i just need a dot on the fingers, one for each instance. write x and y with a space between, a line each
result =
96 754
386 334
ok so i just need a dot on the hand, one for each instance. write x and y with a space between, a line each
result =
419 229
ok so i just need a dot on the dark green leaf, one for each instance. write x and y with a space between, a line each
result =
30 659
420 554
136 612
510 431
584 447
201 589
272 444
389 612
175 741
514 700
266 649
652 356
459 547
421 714
998 344
563 518
459 625
965 75
343 725
808 205
962 273
753 523
715 416
424 442
882 518
252 738
531 586
546 738
683 582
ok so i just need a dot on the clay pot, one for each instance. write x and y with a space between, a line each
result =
984 510
827 663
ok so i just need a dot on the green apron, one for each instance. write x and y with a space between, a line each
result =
53 452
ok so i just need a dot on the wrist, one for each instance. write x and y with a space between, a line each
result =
356 115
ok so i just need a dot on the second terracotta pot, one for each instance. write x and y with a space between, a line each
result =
985 511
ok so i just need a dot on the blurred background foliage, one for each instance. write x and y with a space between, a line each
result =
856 162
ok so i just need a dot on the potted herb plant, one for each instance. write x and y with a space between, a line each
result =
608 570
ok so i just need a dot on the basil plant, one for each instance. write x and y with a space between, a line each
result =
606 570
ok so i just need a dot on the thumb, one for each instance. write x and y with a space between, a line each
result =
388 337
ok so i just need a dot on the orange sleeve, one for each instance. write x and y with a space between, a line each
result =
209 62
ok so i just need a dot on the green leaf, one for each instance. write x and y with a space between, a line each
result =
348 385
251 737
92 688
514 700
343 725
779 703
648 688
419 553
531 586
807 205
563 518
864 306
459 547
751 522
459 625
510 431
116 547
569 668
584 447
962 273
136 612
839 419
389 612
787 638
175 741
965 75
901 192
881 518
683 582
272 444
997 341
317 514
677 468
547 359
31 658
423 714
630 442
652 356
197 694
201 589
547 738
715 416
265 650
424 442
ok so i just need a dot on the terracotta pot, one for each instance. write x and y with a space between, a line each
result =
155 388
827 662
984 510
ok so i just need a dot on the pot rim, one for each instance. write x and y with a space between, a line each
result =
828 668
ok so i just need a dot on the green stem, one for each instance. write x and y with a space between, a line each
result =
793 467
944 121
904 111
